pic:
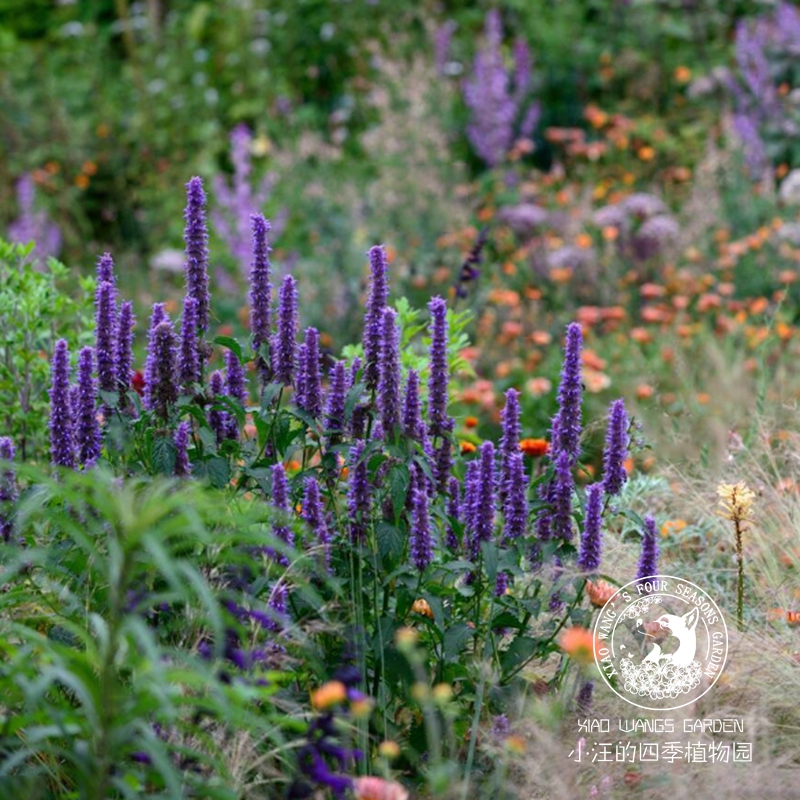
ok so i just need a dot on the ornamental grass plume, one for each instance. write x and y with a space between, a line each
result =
736 505
87 436
195 236
62 450
373 319
591 540
284 341
648 559
261 293
616 449
8 489
389 403
439 372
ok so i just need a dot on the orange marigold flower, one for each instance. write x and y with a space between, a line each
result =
673 526
646 153
422 606
371 787
534 447
682 74
599 592
579 643
592 360
541 338
329 694
467 447
471 422
583 240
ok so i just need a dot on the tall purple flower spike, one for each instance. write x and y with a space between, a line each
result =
183 467
236 380
196 237
123 350
648 559
389 380
509 442
469 507
62 450
591 540
413 426
280 502
484 500
335 409
163 393
358 494
105 323
515 497
189 361
8 489
86 427
616 449
420 542
439 374
454 512
157 316
562 498
373 319
311 378
261 292
217 420
443 456
314 515
284 346
566 431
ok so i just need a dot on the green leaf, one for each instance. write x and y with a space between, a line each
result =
398 487
231 344
455 640
219 471
164 453
111 399
390 542
521 650
490 558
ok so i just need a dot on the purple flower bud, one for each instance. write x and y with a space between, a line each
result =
562 497
157 316
413 426
420 542
314 515
105 270
195 236
105 322
566 431
358 494
217 420
515 501
389 380
616 450
484 499
260 291
591 541
189 361
183 467
439 375
352 378
284 344
87 429
501 584
373 320
334 411
309 375
163 391
454 512
8 489
648 560
123 350
280 502
62 451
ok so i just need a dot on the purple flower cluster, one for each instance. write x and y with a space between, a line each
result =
566 431
62 450
8 489
313 514
648 559
616 449
498 102
420 542
389 375
106 325
284 343
358 495
373 320
261 292
87 436
591 540
196 238
439 372
32 225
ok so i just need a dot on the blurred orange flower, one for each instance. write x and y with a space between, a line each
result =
579 643
534 447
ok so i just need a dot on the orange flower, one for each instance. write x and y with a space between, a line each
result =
538 386
682 74
329 694
541 338
579 643
610 233
422 606
373 788
646 153
471 422
583 240
82 181
389 749
534 447
644 391
599 592
592 360
467 447
650 291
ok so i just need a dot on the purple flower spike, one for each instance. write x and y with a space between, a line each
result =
87 430
389 381
591 541
189 362
484 500
544 520
358 495
334 412
420 543
509 443
469 507
566 432
314 516
217 420
8 489
284 344
443 456
439 376
454 512
260 291
183 467
309 375
236 388
300 378
616 450
62 451
413 427
157 316
163 392
280 502
105 323
123 349
648 560
562 498
501 584
196 237
373 320
515 499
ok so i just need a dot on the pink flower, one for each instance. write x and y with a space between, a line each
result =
372 788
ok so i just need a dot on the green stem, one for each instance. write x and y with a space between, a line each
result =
473 739
740 587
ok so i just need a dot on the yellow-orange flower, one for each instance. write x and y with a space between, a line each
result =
471 422
579 643
599 592
422 606
467 447
534 447
389 749
329 694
